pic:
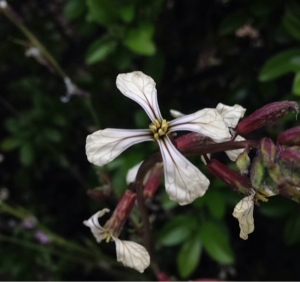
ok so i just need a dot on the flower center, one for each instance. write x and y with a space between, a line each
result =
159 128
107 236
261 195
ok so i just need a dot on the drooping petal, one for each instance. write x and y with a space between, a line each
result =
184 182
131 174
231 114
207 122
140 88
233 154
94 225
176 114
243 211
132 255
105 145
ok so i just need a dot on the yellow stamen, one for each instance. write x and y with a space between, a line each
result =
159 128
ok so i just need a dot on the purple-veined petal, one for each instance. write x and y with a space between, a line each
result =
233 154
105 145
132 255
231 114
131 174
140 88
184 182
207 122
243 212
94 225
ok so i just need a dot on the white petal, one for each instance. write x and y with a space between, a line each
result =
184 182
207 122
132 255
231 115
243 211
176 114
140 88
131 174
96 228
105 145
233 154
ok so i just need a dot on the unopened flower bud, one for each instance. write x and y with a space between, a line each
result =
192 139
153 180
290 137
234 179
268 151
163 277
289 162
243 162
121 213
266 116
290 191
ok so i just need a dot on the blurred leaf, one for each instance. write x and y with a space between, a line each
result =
277 207
291 232
26 154
74 9
176 230
216 203
291 21
232 22
139 40
104 12
52 134
189 256
296 84
9 144
127 13
99 50
59 120
216 243
154 66
280 64
12 125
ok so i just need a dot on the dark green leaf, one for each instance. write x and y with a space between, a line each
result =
216 243
127 13
232 22
189 256
280 64
9 144
104 12
26 154
291 21
176 230
99 50
292 229
296 84
52 135
139 40
74 9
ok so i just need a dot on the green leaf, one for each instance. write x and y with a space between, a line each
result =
189 256
104 12
9 144
99 50
291 21
216 243
216 203
291 232
277 207
139 40
74 9
126 13
52 134
296 84
232 22
280 64
176 230
26 154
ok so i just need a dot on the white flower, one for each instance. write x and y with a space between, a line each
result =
231 116
184 182
243 211
129 253
131 174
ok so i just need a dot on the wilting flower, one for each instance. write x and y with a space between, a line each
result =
243 212
231 116
183 181
129 253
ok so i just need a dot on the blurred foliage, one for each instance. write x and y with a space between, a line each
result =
199 53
